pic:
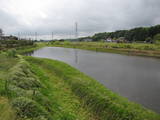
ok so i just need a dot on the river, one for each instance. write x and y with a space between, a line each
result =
136 78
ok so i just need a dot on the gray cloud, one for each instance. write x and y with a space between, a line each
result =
92 16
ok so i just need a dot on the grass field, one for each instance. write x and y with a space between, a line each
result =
139 49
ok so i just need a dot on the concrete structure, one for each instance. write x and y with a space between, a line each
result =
109 40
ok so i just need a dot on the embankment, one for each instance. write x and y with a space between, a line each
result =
43 89
136 49
101 102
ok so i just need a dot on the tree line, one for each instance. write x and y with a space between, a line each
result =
12 41
142 34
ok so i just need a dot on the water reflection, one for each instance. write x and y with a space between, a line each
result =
29 53
76 56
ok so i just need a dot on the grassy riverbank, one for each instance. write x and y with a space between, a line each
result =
6 110
137 49
29 49
43 89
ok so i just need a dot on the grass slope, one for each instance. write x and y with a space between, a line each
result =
101 102
66 105
6 111
42 89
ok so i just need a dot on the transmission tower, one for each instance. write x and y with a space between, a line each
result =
35 35
76 30
52 35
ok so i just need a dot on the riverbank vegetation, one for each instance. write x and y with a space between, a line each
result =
151 50
43 89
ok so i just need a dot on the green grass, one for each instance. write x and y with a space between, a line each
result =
23 90
6 63
66 105
42 89
99 101
6 111
35 93
139 49
29 49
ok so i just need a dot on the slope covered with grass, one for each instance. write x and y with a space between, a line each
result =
6 111
138 49
42 89
99 102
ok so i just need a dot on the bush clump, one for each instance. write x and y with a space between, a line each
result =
11 52
27 108
22 77
24 90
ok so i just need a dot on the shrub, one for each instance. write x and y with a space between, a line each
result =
11 53
14 91
25 83
22 77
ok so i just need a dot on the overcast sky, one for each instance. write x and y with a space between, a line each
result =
59 16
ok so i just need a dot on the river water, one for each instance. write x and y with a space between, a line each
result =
137 78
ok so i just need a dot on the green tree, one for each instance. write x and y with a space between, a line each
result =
156 38
1 32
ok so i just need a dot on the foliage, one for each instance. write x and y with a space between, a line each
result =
1 32
157 38
11 52
136 34
14 43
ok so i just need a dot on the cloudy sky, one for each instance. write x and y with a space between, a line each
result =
59 16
